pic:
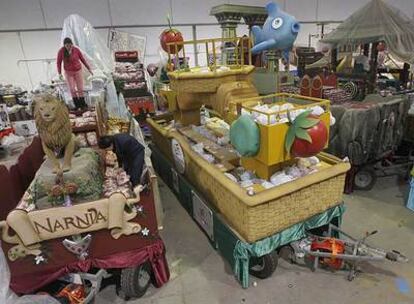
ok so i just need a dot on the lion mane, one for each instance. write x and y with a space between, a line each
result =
55 134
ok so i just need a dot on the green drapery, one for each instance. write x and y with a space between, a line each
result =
243 251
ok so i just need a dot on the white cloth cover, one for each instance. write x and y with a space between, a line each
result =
85 37
9 297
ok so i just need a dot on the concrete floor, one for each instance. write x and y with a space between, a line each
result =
199 275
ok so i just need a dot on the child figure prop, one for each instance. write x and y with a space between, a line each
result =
54 127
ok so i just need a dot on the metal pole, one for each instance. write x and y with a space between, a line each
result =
242 51
110 12
236 51
208 61
184 58
43 13
214 55
24 56
194 27
249 50
100 27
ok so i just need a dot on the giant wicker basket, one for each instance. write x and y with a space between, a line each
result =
267 212
195 81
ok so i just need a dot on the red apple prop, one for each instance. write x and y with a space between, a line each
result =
307 136
171 35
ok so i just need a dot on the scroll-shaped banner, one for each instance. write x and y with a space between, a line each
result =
36 226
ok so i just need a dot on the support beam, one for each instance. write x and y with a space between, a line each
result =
373 68
334 58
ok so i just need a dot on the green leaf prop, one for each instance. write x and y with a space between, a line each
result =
298 129
301 116
307 123
290 137
303 134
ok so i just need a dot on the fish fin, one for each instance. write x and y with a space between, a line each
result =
262 46
272 8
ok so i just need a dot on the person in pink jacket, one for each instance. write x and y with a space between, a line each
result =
72 58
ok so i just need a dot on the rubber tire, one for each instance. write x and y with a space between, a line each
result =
129 281
370 172
287 253
268 262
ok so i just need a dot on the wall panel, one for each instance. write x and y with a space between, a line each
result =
10 53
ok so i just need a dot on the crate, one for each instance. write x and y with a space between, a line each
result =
127 93
126 56
139 105
272 150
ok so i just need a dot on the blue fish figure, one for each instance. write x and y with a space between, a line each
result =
278 33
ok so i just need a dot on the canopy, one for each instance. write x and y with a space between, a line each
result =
319 64
324 62
377 21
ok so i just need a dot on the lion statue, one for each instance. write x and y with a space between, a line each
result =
54 127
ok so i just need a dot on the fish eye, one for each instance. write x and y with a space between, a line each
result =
277 23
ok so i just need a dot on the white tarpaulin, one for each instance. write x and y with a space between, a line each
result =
9 297
97 52
88 40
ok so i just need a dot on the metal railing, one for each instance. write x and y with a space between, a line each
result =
237 52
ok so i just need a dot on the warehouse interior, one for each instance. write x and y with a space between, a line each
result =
218 151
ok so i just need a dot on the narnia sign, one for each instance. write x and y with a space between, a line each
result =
37 226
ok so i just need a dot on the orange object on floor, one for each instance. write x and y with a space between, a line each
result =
75 293
333 246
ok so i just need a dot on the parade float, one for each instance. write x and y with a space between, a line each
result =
69 211
371 123
249 169
79 213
